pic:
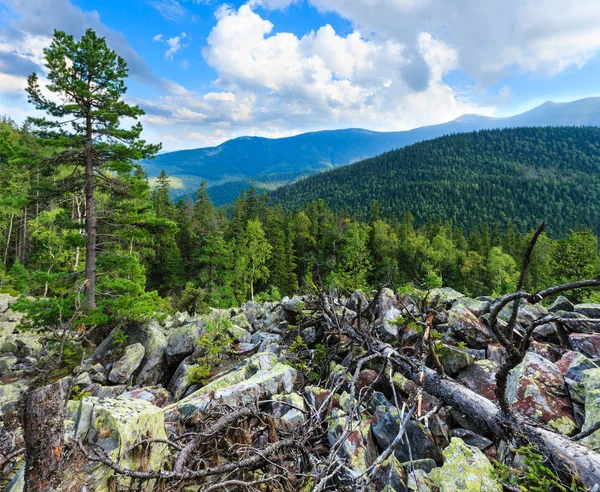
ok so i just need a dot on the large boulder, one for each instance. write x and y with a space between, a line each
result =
10 394
591 384
358 449
561 304
466 469
588 344
114 426
258 377
589 309
467 327
453 358
536 388
444 296
527 314
573 364
154 365
180 382
480 377
386 425
387 312
182 341
123 369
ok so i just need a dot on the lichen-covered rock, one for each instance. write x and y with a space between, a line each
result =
443 296
545 350
453 359
10 394
466 326
124 368
17 484
114 426
465 468
590 310
536 389
386 425
561 304
157 395
480 377
418 481
182 341
179 383
7 363
477 307
390 476
258 377
528 313
572 364
591 384
241 320
588 344
317 397
240 334
358 449
289 409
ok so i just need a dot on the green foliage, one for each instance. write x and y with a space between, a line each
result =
78 394
215 344
534 474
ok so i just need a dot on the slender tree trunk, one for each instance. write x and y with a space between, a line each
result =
90 221
12 216
44 429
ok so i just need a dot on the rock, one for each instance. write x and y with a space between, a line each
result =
240 334
572 364
289 409
418 481
241 320
357 298
426 465
156 395
587 344
124 368
17 484
317 397
179 383
477 307
546 333
100 391
258 377
545 350
390 475
561 304
468 328
496 353
83 380
591 384
358 449
154 365
528 313
385 326
114 426
10 394
453 359
590 310
465 468
365 380
536 389
23 345
7 362
472 439
182 341
385 427
480 377
444 296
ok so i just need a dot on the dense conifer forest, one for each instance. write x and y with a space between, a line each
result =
523 175
156 254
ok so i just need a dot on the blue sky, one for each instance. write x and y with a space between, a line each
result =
206 71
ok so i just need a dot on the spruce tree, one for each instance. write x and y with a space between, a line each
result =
88 79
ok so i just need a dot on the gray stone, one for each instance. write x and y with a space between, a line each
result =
590 310
443 296
182 341
179 383
477 307
240 334
561 304
468 328
453 359
7 363
124 368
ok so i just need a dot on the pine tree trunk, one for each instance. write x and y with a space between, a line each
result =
90 221
44 429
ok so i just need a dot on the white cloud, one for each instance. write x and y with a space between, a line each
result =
490 37
157 38
272 4
171 10
175 44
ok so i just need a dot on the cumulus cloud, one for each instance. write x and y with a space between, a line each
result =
272 4
491 37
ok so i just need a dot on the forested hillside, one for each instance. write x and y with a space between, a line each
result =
230 167
522 175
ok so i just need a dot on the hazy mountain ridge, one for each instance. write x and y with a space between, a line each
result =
230 167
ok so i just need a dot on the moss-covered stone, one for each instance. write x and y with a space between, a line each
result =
10 394
591 383
453 359
124 368
240 334
466 469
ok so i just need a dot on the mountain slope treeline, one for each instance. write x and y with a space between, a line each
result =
272 162
523 175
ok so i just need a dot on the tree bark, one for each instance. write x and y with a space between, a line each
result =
44 429
90 221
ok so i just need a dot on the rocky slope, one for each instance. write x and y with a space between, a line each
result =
294 386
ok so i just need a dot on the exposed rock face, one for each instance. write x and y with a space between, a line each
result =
124 368
465 468
182 341
257 377
453 359
359 448
590 310
591 383
588 344
561 304
536 388
468 328
481 378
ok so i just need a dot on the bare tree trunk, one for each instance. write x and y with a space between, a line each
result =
44 429
90 221
12 216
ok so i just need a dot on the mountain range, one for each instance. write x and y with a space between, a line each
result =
232 166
